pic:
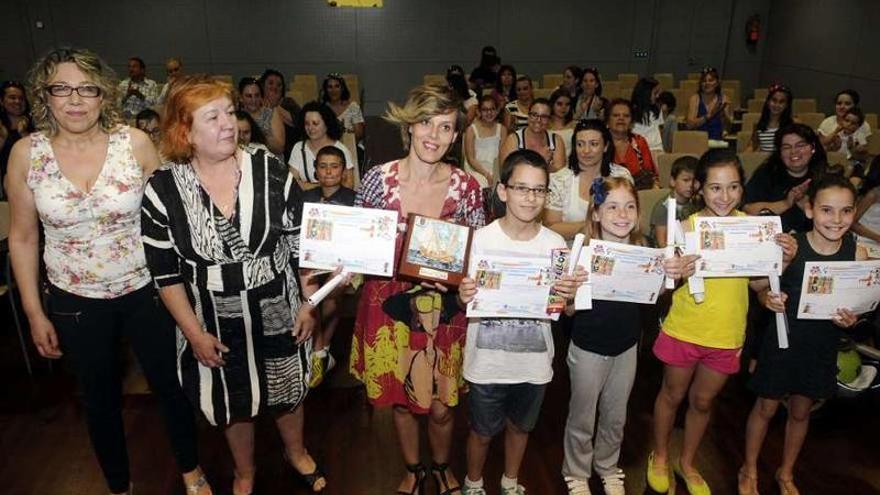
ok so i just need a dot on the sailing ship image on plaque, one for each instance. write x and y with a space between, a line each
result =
435 250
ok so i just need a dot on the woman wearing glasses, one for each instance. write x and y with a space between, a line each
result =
536 137
779 185
82 176
708 109
408 338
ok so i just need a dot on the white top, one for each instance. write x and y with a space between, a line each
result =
565 196
350 116
93 239
858 140
651 132
510 350
306 169
565 135
829 125
486 149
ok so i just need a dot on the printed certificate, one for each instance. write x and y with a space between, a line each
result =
623 272
871 246
854 285
359 239
510 286
738 246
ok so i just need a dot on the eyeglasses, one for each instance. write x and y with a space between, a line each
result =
539 116
334 75
87 91
524 191
787 148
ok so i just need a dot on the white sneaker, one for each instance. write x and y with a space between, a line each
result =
472 490
517 490
613 483
577 486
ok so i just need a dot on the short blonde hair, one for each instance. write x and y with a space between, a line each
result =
186 96
94 68
423 103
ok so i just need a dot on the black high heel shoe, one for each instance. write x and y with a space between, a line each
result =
421 474
440 471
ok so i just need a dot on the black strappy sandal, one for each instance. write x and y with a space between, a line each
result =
309 479
440 469
421 474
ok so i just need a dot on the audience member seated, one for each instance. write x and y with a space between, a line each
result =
630 150
148 121
867 221
321 129
457 83
15 122
681 185
482 143
505 85
830 128
571 82
853 143
485 74
536 137
250 136
136 92
336 95
775 114
779 186
647 119
268 119
518 109
273 87
590 157
708 109
666 102
590 103
562 117
173 71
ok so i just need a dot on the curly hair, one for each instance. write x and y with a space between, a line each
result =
423 103
334 128
186 96
92 66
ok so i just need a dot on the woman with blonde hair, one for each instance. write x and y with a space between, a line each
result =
81 176
221 234
408 338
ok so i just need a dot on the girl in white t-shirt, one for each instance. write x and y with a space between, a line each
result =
646 116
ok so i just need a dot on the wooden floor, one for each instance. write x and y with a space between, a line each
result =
44 448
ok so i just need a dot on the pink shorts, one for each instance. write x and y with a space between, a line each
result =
681 354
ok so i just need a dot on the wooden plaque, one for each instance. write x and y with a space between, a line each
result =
435 250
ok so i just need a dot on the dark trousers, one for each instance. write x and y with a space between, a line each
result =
90 331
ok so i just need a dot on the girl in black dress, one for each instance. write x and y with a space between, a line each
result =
805 372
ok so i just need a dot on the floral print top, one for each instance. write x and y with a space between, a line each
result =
93 239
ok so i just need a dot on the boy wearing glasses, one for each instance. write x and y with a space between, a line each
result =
508 362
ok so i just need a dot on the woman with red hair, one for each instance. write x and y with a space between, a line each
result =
221 234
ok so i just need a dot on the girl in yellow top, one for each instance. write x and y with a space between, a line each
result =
700 344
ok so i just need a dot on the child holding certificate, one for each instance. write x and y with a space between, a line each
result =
603 352
508 362
329 168
700 342
806 371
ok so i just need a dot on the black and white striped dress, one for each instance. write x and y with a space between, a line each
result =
240 277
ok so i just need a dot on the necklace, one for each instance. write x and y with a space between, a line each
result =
227 208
